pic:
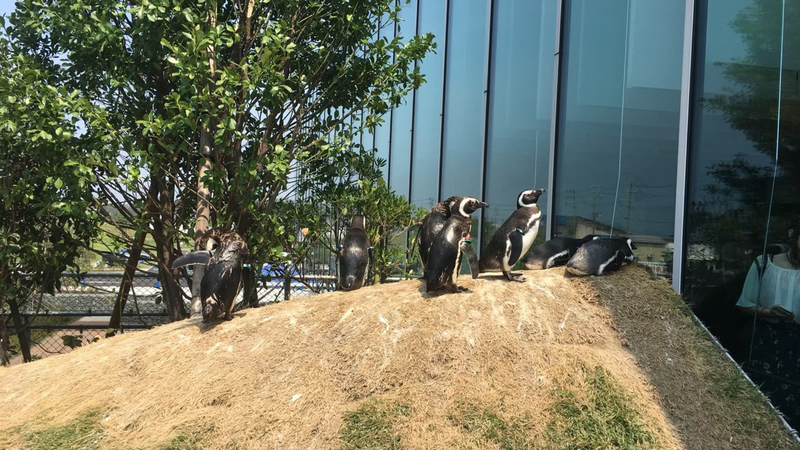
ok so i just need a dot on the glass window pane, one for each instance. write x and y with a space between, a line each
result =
401 116
520 106
464 103
618 136
428 109
742 200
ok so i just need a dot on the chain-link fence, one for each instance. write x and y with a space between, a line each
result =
80 312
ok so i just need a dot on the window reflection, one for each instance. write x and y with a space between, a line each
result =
744 200
401 116
619 115
464 103
520 106
428 108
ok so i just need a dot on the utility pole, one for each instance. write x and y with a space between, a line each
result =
594 210
630 201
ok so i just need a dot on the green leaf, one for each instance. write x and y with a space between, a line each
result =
59 183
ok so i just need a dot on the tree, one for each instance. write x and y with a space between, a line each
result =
47 214
272 89
734 218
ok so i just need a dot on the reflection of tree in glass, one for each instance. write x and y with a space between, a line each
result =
740 199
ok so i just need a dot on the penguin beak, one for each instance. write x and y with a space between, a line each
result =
483 205
542 191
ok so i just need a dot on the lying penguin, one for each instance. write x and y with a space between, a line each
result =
514 237
431 226
555 252
453 242
354 256
224 256
601 256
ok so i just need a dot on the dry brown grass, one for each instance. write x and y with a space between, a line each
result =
414 366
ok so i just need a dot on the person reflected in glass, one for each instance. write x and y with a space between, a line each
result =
774 358
779 275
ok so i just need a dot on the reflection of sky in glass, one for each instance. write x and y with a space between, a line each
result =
520 105
620 93
721 47
428 109
382 135
401 117
464 105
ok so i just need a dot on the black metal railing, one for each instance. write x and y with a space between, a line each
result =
80 312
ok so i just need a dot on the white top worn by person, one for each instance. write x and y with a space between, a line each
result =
780 286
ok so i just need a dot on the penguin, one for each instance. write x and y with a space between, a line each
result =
225 257
514 237
453 242
601 256
555 252
431 226
355 256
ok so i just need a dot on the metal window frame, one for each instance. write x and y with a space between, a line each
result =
554 122
391 113
487 99
684 136
413 113
444 98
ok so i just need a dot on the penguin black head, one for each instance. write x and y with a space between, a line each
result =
529 197
628 249
464 206
359 222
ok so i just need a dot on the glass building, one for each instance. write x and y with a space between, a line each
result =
673 122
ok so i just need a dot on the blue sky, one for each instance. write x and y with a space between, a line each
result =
6 6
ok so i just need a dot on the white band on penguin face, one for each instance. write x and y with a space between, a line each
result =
210 244
462 205
520 201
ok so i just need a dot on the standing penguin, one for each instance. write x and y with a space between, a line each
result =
431 226
514 237
225 257
555 252
444 258
601 256
355 255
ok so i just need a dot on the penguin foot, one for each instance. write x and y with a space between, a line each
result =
514 277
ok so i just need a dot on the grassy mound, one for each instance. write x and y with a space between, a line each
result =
555 363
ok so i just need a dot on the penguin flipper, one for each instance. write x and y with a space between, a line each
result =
515 238
469 251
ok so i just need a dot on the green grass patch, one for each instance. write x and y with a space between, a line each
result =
83 433
191 439
603 420
371 426
487 426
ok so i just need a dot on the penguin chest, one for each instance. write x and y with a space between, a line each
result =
457 265
529 237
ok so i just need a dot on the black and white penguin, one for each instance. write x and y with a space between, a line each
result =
514 237
601 256
225 257
453 242
354 256
431 226
555 252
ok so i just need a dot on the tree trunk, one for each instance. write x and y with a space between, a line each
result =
126 284
3 337
162 219
202 218
24 343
